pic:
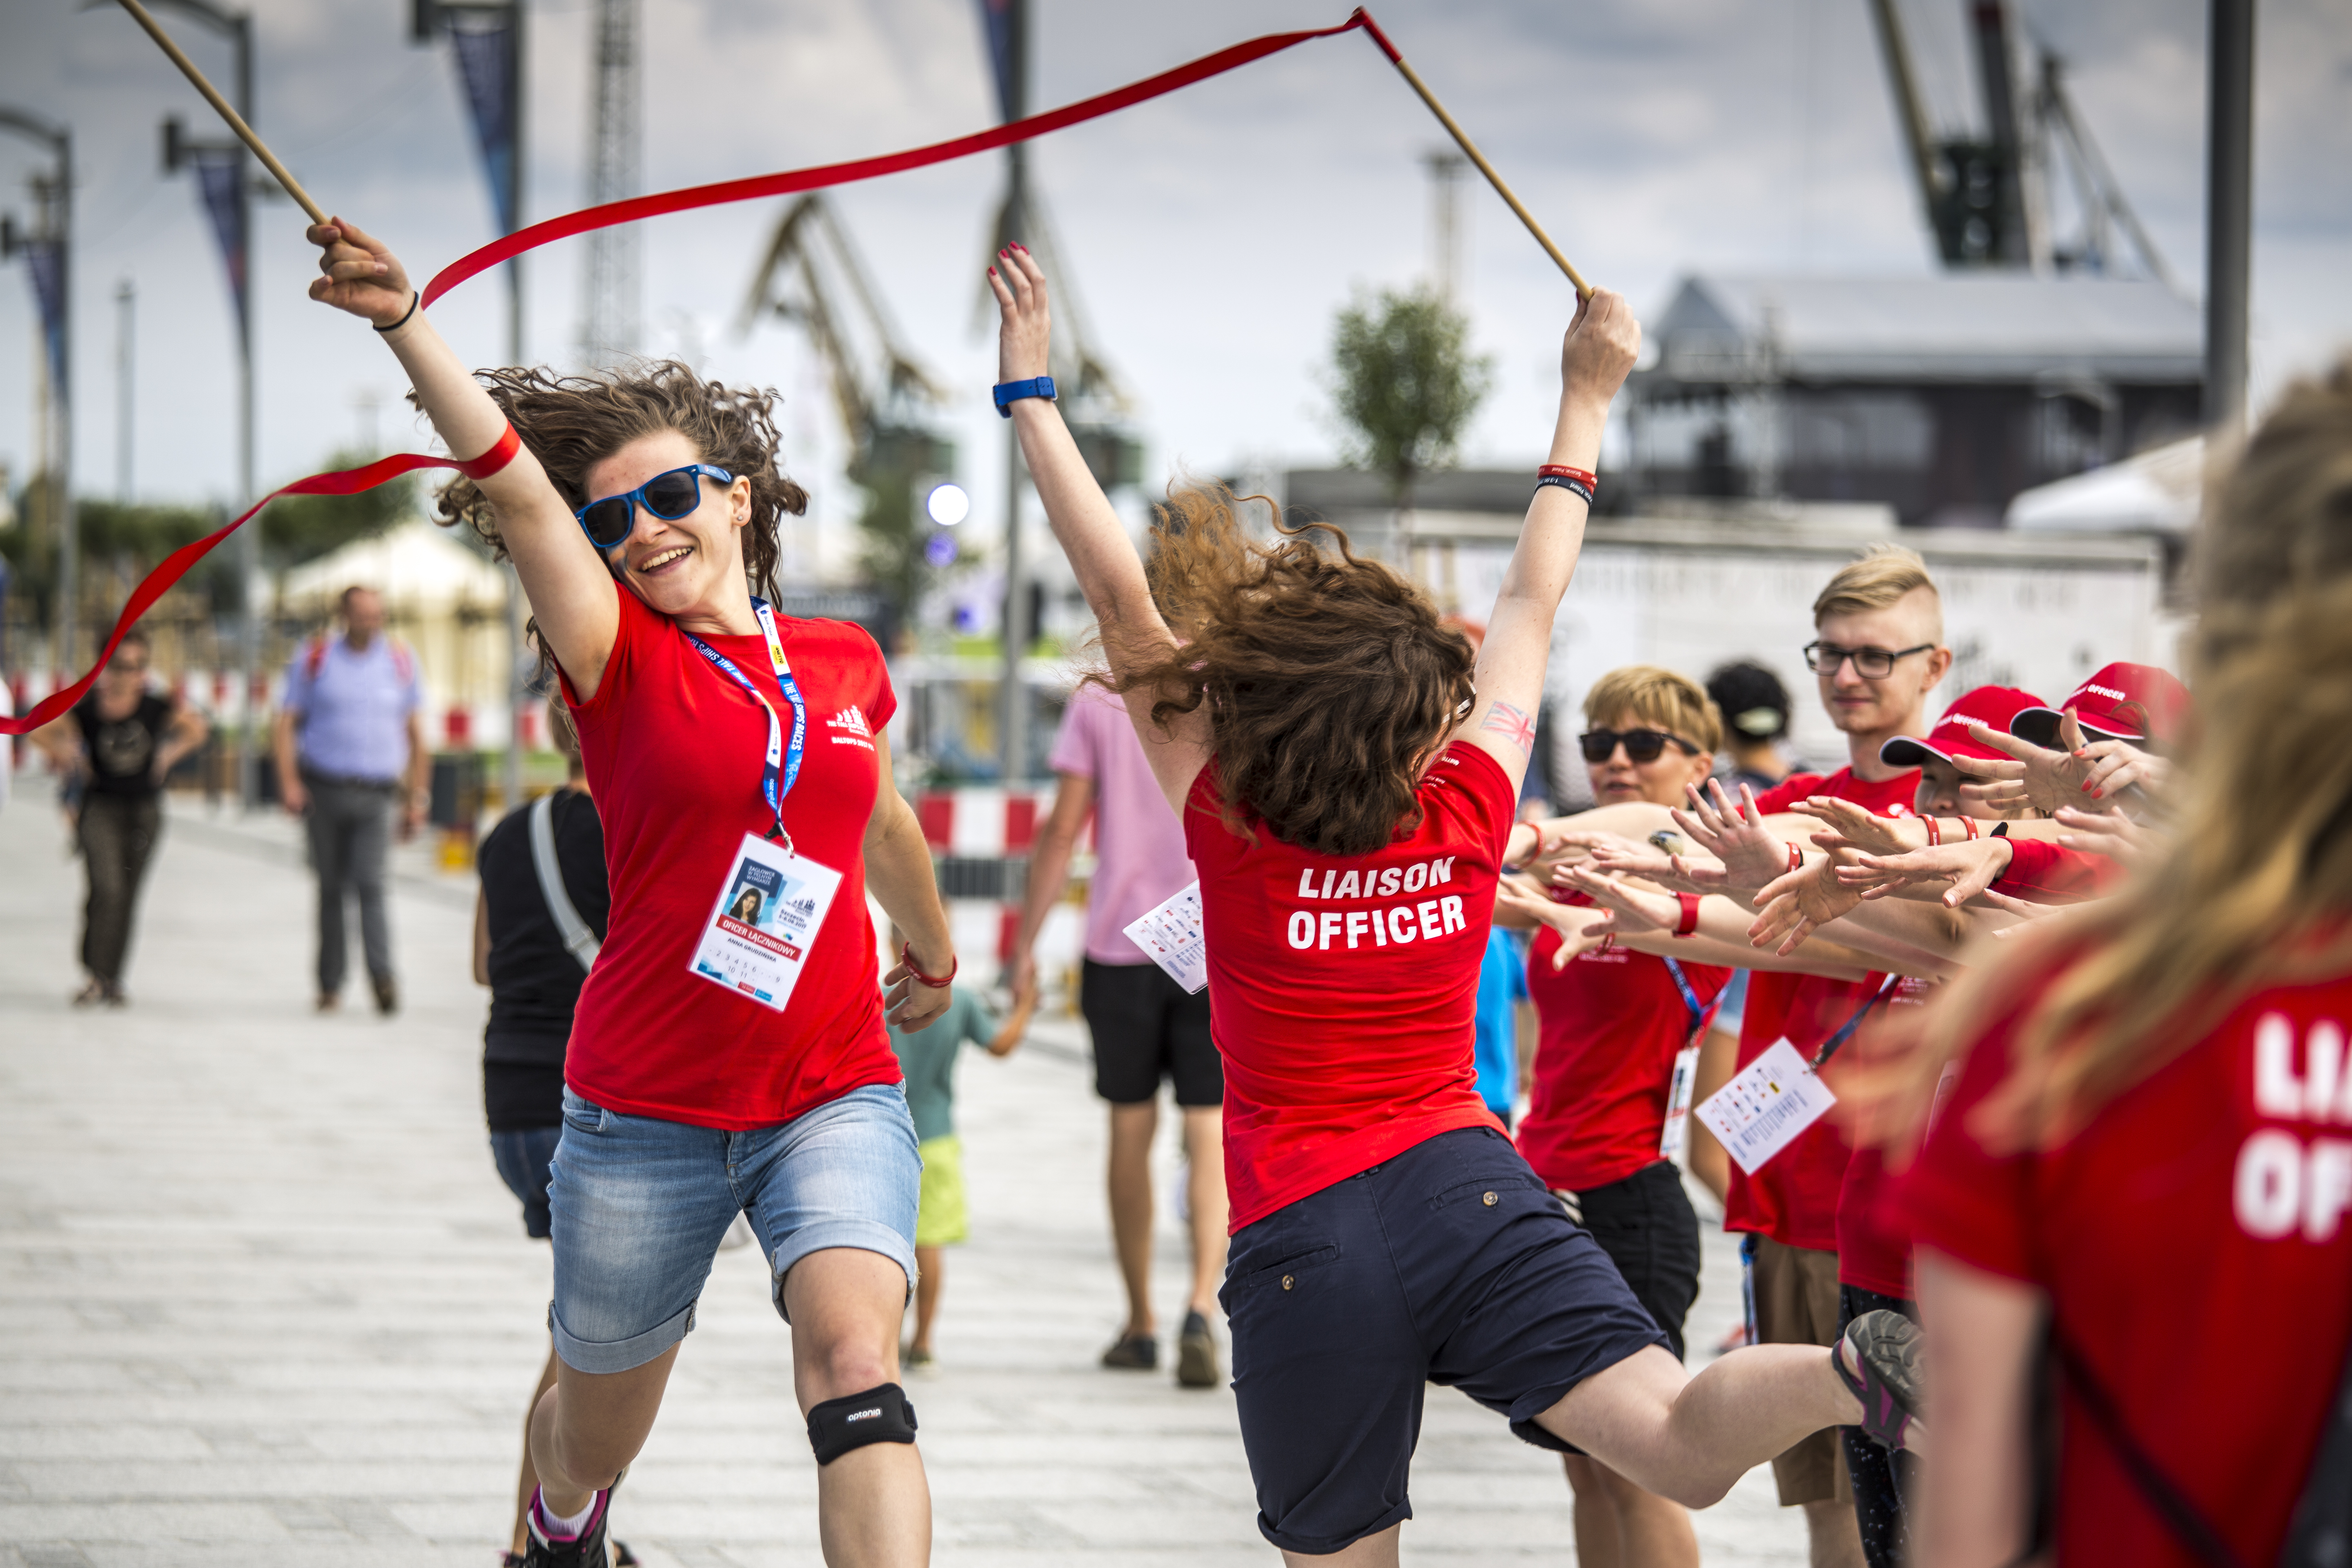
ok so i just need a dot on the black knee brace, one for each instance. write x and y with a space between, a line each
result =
879 1415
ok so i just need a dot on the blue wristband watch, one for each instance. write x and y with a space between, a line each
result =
1009 393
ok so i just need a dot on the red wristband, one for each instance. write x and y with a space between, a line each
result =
1934 830
1562 471
907 957
1970 823
491 462
1796 858
1688 924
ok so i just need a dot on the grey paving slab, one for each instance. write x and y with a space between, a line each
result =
264 1301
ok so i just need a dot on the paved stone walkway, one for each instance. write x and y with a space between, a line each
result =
264 1301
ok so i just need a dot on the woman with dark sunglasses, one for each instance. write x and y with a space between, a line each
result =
718 1064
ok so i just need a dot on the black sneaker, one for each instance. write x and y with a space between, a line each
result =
387 993
590 1548
1133 1353
1885 1349
1196 1354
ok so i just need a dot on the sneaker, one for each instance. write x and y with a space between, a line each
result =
387 993
328 1000
915 1360
1884 1348
1196 1354
1133 1353
591 1548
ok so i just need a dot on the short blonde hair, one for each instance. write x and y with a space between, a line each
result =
1875 579
1655 695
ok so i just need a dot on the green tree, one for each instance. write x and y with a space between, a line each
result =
302 528
1404 385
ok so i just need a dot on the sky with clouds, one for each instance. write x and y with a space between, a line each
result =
1211 235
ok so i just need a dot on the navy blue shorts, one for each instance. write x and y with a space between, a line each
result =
1449 1264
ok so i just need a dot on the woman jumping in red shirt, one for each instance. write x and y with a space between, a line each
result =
728 1054
1347 781
2138 1189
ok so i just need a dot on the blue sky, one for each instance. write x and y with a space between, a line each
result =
1212 234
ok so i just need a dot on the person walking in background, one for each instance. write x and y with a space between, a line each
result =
1502 999
116 746
539 921
1146 1027
927 1056
1755 710
349 745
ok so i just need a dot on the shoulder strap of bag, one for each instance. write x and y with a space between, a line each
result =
578 940
2321 1530
2189 1526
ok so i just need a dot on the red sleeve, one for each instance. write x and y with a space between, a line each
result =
1490 791
1788 792
2050 873
1959 1199
886 697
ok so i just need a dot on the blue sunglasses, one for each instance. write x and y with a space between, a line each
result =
668 496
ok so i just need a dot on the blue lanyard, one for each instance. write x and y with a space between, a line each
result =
781 763
1830 1046
1690 997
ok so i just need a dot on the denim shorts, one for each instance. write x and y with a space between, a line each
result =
1447 1264
640 1205
522 1155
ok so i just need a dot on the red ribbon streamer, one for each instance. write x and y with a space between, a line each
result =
507 246
349 481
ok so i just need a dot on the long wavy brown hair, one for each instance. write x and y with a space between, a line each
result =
2255 890
571 423
1329 682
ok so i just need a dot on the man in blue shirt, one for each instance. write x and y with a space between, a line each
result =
1502 992
350 746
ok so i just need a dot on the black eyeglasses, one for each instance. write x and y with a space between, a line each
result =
668 496
1870 663
1641 745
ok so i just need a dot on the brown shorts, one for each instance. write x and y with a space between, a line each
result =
1797 1304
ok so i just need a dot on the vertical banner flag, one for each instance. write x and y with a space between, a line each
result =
45 263
996 15
485 43
219 170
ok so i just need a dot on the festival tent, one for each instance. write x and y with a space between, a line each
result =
2156 492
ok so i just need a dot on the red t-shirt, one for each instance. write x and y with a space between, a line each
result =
1611 1023
2193 1243
1342 990
1874 1245
674 753
1794 1198
2045 873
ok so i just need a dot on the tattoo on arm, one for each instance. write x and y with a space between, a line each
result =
1512 723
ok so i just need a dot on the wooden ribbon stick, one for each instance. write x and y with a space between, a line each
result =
1413 79
221 106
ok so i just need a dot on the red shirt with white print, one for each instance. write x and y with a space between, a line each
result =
674 753
1794 1198
1612 1021
1342 989
2192 1241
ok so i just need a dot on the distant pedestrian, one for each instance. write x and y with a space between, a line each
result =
1146 1027
115 747
1496 1023
1755 710
352 762
927 1056
537 923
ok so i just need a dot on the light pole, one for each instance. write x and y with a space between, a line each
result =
227 189
126 306
1013 85
2229 211
49 249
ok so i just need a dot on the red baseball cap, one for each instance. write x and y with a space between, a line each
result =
2133 703
1994 707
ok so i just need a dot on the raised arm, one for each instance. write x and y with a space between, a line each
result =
572 592
1601 346
1090 533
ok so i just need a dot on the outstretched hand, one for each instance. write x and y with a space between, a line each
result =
359 274
1025 334
1580 929
1795 905
1971 867
1853 826
2080 776
1751 854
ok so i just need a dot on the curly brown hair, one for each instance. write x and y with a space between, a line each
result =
1330 681
572 422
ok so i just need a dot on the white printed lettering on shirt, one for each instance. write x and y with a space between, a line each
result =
1302 929
1371 884
2323 1090
2279 1182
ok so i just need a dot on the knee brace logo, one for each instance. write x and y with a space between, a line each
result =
880 1414
863 1415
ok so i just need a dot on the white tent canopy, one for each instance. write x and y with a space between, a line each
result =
422 570
2156 492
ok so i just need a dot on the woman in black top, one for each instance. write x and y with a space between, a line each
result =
119 742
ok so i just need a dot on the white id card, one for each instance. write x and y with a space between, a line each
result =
1760 1111
769 908
1678 1099
1173 938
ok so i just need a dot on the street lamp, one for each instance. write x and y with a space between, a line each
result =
48 251
225 187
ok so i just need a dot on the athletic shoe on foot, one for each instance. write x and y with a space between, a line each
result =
912 1358
328 1000
91 994
1886 1348
1196 1354
1133 1353
387 993
590 1548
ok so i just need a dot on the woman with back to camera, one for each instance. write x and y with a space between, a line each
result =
1346 782
2136 1187
707 1073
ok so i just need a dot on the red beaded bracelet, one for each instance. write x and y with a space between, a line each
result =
1688 924
906 958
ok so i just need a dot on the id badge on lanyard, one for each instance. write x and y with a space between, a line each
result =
1670 1136
772 900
